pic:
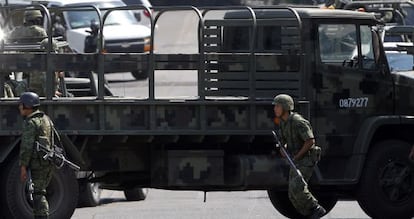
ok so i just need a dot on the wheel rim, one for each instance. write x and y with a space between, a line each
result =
95 191
396 181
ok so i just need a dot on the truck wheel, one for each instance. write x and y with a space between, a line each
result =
385 187
280 201
140 75
137 194
62 193
89 194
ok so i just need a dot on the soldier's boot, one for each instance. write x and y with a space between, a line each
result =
318 212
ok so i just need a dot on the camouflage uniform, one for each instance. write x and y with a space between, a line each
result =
37 127
33 34
295 131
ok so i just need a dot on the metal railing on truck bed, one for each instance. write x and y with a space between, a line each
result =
235 84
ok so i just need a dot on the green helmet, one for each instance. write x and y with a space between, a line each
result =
32 15
285 101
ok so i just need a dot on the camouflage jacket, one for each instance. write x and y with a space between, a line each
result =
36 127
27 34
295 131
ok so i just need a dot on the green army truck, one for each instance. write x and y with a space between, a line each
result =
331 61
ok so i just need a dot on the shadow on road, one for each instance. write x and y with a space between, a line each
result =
121 81
106 201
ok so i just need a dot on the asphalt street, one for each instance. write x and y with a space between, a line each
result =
161 204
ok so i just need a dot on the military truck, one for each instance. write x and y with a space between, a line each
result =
331 61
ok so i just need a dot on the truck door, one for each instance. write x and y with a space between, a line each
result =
351 86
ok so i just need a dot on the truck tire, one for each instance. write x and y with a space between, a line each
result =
89 194
140 75
385 187
136 194
62 193
280 201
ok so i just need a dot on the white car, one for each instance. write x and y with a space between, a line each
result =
122 32
142 16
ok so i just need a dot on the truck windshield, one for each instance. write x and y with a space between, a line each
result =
82 19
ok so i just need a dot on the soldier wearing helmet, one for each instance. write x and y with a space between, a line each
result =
298 138
32 32
37 127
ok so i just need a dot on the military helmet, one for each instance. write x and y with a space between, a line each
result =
94 26
29 99
32 15
285 101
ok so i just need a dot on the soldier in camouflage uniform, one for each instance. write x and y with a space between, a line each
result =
37 127
298 137
33 32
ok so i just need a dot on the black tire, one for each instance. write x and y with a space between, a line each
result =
137 194
89 194
385 187
280 201
140 75
62 194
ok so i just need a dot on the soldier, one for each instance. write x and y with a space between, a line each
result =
298 137
33 32
91 41
37 127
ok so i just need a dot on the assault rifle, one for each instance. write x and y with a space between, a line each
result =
30 186
55 155
284 152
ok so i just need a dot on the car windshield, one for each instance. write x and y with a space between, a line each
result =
82 19
400 61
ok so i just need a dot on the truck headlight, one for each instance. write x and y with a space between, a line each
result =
147 44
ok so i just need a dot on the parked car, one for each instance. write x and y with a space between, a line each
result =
122 32
142 16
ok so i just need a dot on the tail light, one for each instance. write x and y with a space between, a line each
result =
146 13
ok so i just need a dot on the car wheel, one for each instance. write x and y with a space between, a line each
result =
140 75
137 194
62 193
385 188
89 195
280 201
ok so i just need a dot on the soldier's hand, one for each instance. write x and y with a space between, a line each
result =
281 153
411 155
23 174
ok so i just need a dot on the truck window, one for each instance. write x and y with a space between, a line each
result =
337 43
367 48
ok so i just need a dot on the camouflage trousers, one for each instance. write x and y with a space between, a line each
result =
41 176
299 194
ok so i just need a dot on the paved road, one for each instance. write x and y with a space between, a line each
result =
161 204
